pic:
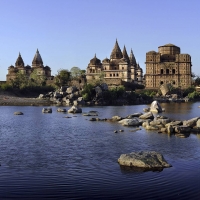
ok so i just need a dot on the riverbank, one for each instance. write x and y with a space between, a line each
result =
8 99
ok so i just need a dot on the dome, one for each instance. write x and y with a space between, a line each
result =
106 60
11 66
169 45
95 61
151 52
47 67
28 66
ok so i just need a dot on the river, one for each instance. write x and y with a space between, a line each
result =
50 156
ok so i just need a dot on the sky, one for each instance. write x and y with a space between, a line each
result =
68 33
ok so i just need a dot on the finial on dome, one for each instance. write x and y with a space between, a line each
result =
37 50
95 55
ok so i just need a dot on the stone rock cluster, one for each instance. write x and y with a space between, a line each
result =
65 96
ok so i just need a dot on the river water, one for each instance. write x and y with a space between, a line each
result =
50 156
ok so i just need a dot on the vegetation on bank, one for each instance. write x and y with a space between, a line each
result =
131 92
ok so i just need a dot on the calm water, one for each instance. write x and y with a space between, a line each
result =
49 156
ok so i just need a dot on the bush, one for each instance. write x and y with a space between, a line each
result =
193 95
6 87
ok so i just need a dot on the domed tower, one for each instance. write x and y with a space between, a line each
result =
19 62
116 52
94 68
37 60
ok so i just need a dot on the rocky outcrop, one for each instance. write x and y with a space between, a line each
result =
143 159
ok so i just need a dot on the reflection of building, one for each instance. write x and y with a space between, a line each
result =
120 67
37 64
168 65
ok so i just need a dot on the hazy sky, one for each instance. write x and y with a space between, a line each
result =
69 32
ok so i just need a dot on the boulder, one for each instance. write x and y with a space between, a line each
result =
143 159
75 109
133 115
116 118
155 107
71 89
57 95
170 129
146 109
18 113
148 115
129 122
174 123
198 123
182 129
47 110
191 122
91 113
165 89
63 88
68 102
164 121
41 96
151 127
61 110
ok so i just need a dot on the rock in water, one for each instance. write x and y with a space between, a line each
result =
155 107
18 113
47 110
75 109
143 159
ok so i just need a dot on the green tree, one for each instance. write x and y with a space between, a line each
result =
75 72
62 77
37 80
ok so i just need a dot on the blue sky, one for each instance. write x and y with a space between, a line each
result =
69 32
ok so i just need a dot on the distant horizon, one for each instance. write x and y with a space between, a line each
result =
69 33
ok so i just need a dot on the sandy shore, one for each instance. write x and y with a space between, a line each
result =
9 100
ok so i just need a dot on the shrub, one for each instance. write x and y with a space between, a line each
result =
6 87
193 95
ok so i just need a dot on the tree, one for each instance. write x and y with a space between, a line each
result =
62 77
75 72
37 80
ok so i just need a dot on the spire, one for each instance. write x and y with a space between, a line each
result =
132 58
116 52
19 62
125 55
37 60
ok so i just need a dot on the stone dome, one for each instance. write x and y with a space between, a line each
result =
106 60
95 61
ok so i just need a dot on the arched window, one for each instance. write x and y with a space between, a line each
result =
110 75
161 71
117 74
173 71
167 71
113 74
161 82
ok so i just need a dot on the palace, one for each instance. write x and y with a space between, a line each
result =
168 65
37 64
116 70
